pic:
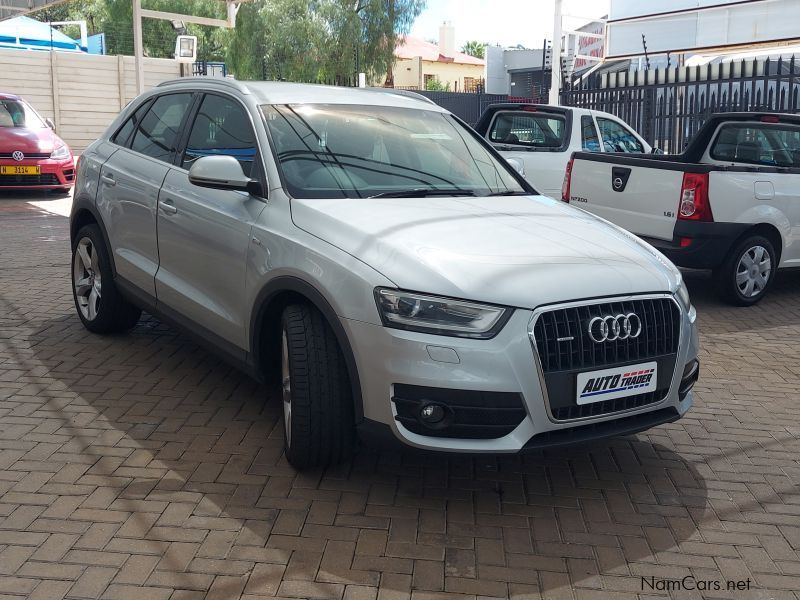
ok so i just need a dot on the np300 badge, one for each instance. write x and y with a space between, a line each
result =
615 327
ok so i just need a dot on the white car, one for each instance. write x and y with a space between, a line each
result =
730 202
538 140
381 257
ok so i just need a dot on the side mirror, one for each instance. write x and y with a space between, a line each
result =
49 122
656 151
222 173
517 165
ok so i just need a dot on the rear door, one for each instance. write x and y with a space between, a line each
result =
129 183
204 234
640 196
538 139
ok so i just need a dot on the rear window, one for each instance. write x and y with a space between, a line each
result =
767 144
539 130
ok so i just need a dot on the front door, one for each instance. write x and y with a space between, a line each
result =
204 234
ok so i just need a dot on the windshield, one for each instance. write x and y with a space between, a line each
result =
15 113
349 151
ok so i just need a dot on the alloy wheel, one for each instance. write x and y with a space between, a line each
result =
286 389
86 279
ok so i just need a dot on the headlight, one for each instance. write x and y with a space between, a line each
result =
683 294
60 152
442 316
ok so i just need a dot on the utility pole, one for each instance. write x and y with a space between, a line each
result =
555 74
138 49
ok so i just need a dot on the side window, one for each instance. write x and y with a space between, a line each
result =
758 144
123 135
221 127
528 129
157 133
589 140
617 138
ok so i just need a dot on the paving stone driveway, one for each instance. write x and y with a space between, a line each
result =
140 466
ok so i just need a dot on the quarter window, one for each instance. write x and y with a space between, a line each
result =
617 138
221 128
589 139
123 135
157 133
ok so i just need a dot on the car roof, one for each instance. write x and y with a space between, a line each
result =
5 96
283 92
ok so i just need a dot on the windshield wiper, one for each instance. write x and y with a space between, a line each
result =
423 193
510 193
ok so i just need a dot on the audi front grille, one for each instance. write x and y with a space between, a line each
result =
565 348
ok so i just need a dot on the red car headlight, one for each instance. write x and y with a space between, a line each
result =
61 152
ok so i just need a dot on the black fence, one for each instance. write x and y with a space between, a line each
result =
469 106
465 105
668 106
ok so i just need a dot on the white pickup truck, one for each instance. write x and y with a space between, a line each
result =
730 202
538 139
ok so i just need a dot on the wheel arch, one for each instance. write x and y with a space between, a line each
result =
265 328
84 213
770 232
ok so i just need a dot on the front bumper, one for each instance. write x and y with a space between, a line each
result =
500 367
705 245
54 174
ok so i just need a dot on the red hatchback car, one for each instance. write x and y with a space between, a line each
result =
32 156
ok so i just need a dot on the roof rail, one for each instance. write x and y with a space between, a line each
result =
407 93
225 82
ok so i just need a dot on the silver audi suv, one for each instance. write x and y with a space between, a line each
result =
375 255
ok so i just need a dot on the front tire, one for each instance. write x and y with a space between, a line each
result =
316 393
99 304
747 273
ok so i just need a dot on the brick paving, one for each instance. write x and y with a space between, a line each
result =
140 466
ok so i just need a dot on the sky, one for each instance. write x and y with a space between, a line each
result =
504 22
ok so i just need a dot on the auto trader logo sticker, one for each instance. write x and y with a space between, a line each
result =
596 386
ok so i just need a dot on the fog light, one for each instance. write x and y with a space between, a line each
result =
691 373
431 414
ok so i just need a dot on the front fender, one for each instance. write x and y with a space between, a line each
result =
295 285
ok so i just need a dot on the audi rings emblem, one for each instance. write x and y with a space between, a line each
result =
615 327
17 155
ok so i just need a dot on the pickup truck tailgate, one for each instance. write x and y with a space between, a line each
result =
643 200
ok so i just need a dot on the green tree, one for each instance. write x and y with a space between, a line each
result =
311 40
115 19
474 48
435 85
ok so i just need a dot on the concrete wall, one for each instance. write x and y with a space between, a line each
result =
497 80
82 93
411 73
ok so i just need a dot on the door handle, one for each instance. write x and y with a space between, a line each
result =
108 179
168 207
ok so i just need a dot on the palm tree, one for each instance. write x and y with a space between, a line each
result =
474 48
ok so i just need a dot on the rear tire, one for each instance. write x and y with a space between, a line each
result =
316 393
99 304
747 273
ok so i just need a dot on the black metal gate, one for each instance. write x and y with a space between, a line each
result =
668 106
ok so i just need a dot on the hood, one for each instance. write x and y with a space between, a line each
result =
521 251
28 141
